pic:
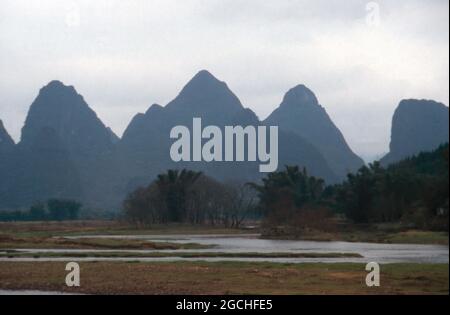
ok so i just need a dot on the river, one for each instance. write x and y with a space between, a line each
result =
380 253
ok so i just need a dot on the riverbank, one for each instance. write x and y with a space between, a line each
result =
35 242
73 254
225 278
360 234
61 235
98 227
43 234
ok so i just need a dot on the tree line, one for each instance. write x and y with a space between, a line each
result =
51 210
184 196
413 191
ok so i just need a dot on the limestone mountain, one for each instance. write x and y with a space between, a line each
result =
417 126
6 142
40 171
65 150
301 114
146 141
62 109
7 148
207 97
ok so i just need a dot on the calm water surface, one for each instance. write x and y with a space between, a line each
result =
381 253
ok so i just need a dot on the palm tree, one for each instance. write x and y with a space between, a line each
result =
174 186
292 183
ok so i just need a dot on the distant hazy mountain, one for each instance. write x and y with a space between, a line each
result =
7 147
65 150
146 141
417 126
145 146
41 170
207 97
6 142
62 109
301 113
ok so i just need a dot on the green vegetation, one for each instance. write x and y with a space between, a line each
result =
292 197
225 278
189 197
413 193
415 190
52 210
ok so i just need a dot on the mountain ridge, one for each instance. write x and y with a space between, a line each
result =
146 137
417 126
301 113
66 151
6 141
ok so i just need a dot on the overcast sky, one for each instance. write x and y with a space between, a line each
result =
123 56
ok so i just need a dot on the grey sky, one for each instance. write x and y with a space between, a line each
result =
122 56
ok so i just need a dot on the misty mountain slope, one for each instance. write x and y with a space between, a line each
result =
301 113
294 150
40 171
7 148
67 152
146 141
61 108
417 126
144 150
6 142
206 97
63 136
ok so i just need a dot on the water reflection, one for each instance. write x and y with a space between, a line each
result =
381 253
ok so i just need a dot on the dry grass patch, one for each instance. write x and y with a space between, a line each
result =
226 278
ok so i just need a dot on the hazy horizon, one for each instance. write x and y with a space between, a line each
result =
124 56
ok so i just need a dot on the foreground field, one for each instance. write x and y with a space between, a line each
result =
187 277
225 278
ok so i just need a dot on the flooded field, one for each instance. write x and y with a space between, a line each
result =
251 243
